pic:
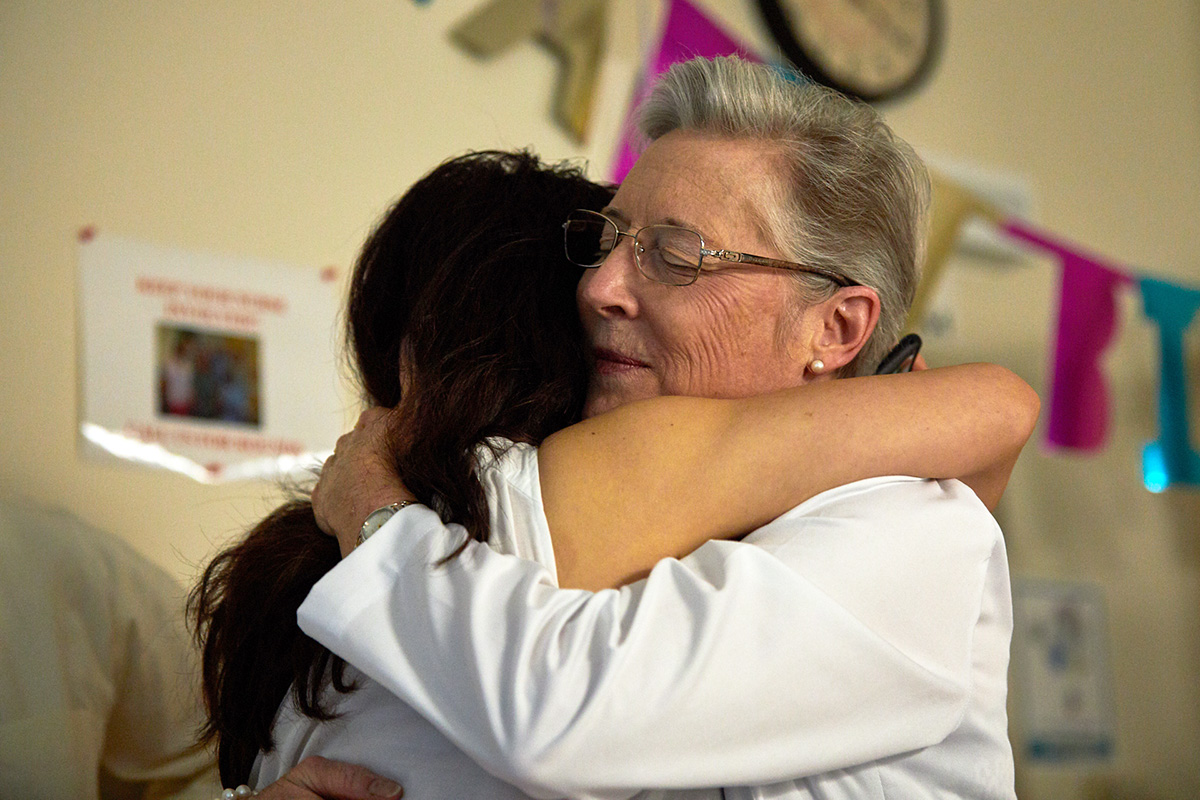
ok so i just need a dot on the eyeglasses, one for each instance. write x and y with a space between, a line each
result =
663 253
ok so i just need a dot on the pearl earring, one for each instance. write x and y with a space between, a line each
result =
817 365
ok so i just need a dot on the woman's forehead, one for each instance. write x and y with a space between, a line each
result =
697 181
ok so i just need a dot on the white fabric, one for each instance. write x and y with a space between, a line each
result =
379 731
859 643
98 675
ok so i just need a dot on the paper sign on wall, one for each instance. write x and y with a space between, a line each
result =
217 367
1061 671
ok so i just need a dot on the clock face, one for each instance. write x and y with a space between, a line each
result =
872 49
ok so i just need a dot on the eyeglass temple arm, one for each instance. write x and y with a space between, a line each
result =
746 258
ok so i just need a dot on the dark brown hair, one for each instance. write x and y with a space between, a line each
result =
465 275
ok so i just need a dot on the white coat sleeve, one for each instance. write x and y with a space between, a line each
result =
836 635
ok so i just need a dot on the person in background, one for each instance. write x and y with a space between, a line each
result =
177 389
98 696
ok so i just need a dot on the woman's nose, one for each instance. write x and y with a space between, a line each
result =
611 289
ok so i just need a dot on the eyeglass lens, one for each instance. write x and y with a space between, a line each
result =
664 253
589 240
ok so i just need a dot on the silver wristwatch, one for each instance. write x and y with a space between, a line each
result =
376 519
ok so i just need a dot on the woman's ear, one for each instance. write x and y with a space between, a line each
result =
847 320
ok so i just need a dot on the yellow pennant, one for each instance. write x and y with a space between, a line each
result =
952 207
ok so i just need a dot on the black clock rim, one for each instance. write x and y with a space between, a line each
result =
783 32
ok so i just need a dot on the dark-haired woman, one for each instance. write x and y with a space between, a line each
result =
464 283
461 317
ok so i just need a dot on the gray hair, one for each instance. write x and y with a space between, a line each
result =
852 197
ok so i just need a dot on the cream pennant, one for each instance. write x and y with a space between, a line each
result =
952 207
573 30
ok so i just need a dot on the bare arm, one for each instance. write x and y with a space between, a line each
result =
660 477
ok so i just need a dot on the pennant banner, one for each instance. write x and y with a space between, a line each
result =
1087 320
687 33
1170 460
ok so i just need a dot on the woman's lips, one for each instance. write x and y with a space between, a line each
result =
610 362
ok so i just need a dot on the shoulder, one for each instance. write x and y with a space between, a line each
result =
887 512
505 465
908 558
876 498
508 472
40 544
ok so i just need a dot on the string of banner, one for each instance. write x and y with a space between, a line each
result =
1087 308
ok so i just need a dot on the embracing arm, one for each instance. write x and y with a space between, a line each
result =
660 477
600 694
843 635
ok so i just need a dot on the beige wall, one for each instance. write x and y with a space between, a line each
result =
1097 105
279 130
268 129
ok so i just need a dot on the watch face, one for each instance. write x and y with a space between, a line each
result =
375 520
868 48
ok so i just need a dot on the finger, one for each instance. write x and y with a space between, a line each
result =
336 780
919 363
371 416
317 498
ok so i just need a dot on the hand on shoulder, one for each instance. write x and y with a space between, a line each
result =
358 478
317 778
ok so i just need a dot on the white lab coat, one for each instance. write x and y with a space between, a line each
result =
855 647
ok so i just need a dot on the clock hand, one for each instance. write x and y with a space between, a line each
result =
883 21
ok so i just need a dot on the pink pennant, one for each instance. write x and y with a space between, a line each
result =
687 33
1087 320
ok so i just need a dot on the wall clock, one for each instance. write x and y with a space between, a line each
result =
871 49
